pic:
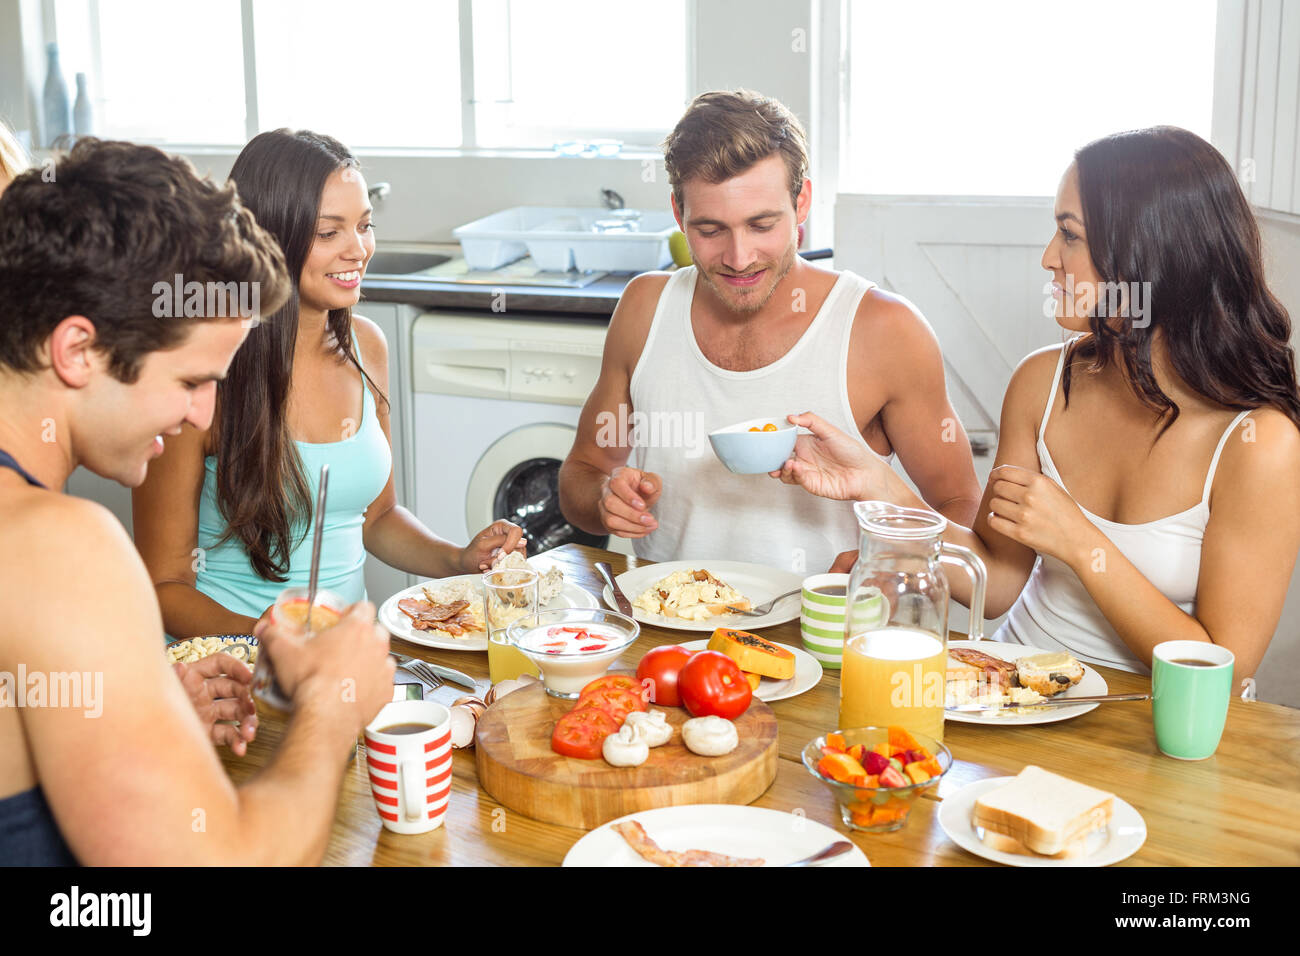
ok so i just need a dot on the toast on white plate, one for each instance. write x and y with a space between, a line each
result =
1050 673
1048 814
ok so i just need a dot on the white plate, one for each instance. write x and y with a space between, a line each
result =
399 624
757 582
1091 684
807 674
751 832
1120 840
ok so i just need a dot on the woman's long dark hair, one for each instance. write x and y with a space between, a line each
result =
262 492
1162 206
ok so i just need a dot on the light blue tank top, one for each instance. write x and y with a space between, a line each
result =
359 469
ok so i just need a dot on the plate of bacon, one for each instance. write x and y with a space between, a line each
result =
718 835
448 613
995 674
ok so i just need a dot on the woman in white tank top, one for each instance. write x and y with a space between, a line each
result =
1146 483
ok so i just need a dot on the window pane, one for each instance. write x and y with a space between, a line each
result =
948 100
587 65
172 72
386 73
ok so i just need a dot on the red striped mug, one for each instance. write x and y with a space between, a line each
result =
410 771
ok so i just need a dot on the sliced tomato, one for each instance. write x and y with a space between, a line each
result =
618 702
621 681
580 733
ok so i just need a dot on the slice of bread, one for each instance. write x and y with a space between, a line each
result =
1044 811
1050 673
1005 844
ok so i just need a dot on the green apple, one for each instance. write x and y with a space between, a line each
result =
681 252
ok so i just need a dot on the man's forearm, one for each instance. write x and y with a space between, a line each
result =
581 486
287 811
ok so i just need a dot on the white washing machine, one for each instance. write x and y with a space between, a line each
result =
496 405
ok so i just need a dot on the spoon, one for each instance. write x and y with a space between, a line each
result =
834 850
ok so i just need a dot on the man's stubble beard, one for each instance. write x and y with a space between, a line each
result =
785 265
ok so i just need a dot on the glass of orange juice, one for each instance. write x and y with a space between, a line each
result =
290 612
509 595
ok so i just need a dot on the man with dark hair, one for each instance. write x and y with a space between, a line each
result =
750 330
96 365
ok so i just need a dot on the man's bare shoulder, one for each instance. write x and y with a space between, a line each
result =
891 338
630 324
640 297
57 546
887 315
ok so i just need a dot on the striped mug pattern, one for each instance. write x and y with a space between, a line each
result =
410 773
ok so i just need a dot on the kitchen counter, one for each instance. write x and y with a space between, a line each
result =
596 299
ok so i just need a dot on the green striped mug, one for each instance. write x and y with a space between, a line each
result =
821 617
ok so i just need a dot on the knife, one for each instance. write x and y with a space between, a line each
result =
455 676
1049 702
620 598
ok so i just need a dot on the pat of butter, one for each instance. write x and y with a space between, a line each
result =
1050 661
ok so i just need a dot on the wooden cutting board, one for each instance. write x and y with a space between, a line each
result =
517 766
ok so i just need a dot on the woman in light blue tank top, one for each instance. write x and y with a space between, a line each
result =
223 519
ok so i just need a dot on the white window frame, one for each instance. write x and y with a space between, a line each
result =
636 141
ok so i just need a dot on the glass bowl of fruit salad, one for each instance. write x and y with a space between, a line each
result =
876 773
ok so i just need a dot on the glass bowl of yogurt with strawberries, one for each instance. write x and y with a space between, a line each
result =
573 646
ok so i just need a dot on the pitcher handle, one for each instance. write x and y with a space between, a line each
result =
970 561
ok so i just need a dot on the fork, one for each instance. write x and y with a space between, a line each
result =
765 608
420 669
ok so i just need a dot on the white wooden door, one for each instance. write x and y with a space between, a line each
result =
972 266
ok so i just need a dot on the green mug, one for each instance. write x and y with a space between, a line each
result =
1191 682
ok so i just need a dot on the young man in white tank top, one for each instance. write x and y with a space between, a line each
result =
752 330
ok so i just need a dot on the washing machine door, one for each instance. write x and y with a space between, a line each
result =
518 478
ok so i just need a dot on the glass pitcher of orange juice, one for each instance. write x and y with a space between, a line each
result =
896 621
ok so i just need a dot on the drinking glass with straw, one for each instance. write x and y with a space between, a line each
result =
308 610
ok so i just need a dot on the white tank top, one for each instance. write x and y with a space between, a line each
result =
1055 611
679 396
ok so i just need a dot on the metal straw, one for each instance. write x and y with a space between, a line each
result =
315 541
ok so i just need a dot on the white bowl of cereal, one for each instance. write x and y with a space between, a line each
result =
242 647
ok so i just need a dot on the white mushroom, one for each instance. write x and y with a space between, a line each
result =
653 727
626 748
710 736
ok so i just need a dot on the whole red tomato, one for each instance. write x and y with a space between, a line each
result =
712 684
661 666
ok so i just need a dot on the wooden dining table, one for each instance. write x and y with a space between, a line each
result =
1240 807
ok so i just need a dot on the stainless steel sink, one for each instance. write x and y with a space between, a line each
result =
403 263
